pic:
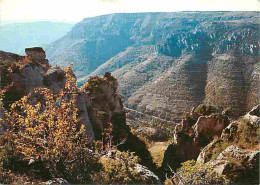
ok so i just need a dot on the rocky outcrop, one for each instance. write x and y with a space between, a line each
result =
104 99
210 126
25 72
105 109
254 115
99 104
148 176
36 53
54 79
238 164
11 57
191 135
236 153
231 149
28 78
204 155
82 102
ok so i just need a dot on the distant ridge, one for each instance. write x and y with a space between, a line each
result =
168 62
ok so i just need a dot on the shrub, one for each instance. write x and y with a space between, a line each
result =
190 120
205 109
219 147
119 168
43 128
248 134
228 111
196 173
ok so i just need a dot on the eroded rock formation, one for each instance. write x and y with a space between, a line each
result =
236 153
98 101
191 135
232 149
194 132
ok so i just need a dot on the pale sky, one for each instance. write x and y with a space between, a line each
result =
76 10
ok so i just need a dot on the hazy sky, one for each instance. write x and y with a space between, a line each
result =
76 10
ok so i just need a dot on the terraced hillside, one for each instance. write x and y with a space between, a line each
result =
166 63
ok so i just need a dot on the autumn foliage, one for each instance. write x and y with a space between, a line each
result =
43 128
43 140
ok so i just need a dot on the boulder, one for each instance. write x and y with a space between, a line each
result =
211 126
54 79
147 175
254 115
36 53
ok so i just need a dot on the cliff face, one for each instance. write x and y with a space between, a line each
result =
166 63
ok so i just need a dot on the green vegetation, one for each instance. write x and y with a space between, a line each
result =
205 109
248 134
93 84
119 169
191 121
196 173
218 148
